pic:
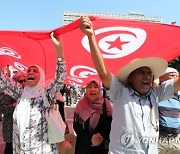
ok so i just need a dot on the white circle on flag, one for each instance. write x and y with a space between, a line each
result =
9 52
20 67
123 41
84 71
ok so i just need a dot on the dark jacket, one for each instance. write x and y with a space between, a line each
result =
83 140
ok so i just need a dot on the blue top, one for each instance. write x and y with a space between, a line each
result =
169 115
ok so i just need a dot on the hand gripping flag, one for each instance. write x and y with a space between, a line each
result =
120 41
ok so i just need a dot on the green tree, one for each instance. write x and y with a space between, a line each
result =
175 63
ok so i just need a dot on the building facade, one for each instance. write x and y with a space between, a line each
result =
69 16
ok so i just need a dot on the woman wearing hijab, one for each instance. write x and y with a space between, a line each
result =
7 106
30 130
92 121
19 77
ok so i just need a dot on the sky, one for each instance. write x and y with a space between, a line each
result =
46 14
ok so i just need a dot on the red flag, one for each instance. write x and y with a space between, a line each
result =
21 49
120 41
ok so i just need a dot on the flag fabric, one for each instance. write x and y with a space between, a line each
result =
119 40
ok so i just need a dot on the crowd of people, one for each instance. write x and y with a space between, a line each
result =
72 94
137 111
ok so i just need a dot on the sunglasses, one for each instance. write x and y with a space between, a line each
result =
21 81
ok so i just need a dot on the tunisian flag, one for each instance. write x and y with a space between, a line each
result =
119 40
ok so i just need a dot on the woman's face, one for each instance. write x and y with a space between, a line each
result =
92 91
32 76
22 80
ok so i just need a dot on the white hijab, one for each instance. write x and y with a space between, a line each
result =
23 108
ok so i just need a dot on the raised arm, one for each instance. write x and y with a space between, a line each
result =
58 46
87 28
60 72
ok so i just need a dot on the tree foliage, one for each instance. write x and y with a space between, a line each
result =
175 63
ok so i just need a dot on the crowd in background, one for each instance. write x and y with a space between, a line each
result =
72 94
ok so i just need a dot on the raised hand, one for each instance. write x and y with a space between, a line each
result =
58 45
86 26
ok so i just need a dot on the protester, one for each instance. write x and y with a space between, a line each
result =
7 106
91 123
135 101
30 134
19 77
68 91
169 118
60 101
63 89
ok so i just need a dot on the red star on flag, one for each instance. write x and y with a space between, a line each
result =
116 43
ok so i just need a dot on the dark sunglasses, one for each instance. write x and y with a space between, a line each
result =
21 81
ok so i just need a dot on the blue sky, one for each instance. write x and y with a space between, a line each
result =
46 14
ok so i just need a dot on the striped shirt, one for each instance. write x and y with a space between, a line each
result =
169 115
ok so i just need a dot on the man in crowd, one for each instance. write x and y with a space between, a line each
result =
169 118
135 100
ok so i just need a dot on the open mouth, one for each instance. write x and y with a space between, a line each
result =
146 85
93 94
31 78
